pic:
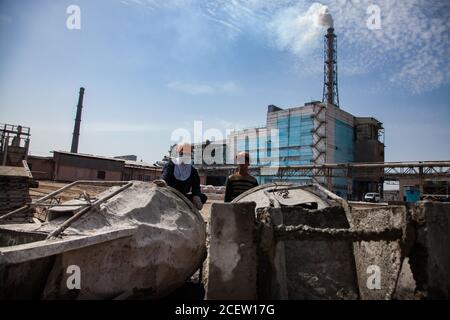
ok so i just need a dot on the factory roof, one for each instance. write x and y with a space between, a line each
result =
127 163
39 157
88 156
368 120
140 164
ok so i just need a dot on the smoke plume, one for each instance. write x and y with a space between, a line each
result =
299 30
323 17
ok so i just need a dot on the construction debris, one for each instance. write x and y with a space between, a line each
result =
142 243
212 189
276 241
311 244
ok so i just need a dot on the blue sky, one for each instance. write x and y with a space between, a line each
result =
150 67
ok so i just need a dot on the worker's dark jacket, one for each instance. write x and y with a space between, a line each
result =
237 185
191 184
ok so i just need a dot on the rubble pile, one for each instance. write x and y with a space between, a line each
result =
212 189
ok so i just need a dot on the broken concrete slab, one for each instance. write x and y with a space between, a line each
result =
378 263
310 269
231 261
285 194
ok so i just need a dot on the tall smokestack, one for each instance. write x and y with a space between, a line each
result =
76 128
330 85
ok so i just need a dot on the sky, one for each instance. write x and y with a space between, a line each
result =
153 66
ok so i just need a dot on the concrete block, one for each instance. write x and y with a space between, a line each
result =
272 280
231 263
319 269
378 260
430 256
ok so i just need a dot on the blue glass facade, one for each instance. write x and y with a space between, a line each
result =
295 140
344 152
294 145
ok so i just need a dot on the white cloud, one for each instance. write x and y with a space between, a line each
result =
202 89
224 23
158 4
420 73
413 39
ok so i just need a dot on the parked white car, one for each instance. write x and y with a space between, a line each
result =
372 197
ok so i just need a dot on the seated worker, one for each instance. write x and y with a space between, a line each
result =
241 181
179 174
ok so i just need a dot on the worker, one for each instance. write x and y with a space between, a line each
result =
179 174
241 181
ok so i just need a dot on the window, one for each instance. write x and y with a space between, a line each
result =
101 175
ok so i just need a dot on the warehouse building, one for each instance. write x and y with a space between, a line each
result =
68 167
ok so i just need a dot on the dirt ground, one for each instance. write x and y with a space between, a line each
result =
207 206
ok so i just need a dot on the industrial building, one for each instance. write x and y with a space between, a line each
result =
73 166
318 132
69 167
